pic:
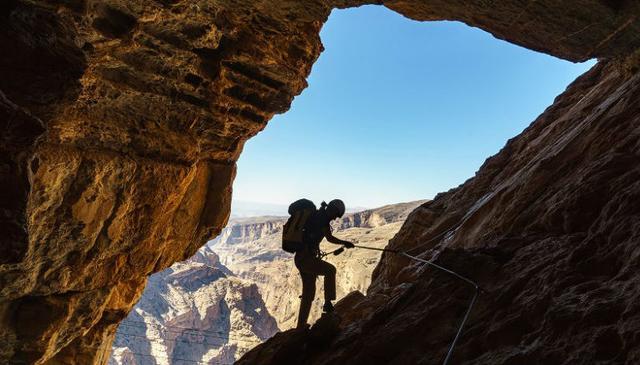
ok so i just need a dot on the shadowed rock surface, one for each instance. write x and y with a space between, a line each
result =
147 105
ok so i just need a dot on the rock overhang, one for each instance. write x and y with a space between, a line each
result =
147 107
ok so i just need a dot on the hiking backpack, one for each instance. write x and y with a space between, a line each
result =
293 230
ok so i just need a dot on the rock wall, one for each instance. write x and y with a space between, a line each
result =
147 105
372 218
246 230
20 132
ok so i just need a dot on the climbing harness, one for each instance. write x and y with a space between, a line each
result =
334 252
475 286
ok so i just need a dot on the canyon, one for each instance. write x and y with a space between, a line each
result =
251 248
240 289
196 311
122 123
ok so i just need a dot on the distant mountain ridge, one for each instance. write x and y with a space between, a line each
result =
256 227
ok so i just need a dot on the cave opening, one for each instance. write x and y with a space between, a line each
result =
397 110
371 130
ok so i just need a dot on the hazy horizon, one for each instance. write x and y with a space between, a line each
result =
246 209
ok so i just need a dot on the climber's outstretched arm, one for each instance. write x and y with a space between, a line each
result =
335 240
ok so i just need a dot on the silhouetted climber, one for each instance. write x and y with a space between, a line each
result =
302 234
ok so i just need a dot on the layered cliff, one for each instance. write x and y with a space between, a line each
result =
147 105
197 311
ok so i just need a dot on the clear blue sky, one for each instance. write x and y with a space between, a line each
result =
398 110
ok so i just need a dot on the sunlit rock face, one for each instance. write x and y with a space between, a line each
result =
196 311
147 105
